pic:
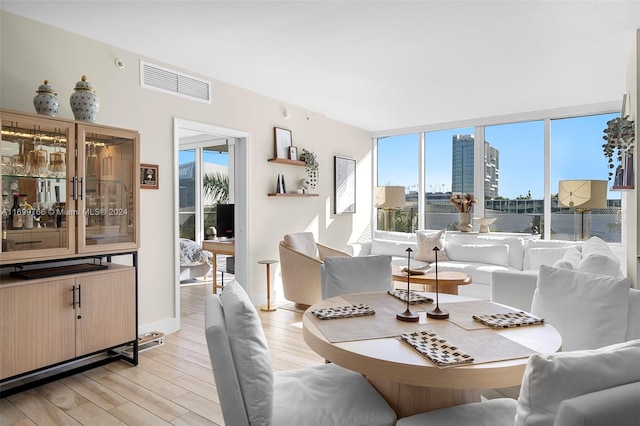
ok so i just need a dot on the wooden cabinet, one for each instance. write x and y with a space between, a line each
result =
79 179
52 320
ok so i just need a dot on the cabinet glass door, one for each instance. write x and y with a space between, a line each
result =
107 182
37 209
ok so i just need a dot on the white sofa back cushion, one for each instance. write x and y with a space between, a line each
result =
539 256
589 310
598 258
516 244
393 243
497 254
550 379
550 244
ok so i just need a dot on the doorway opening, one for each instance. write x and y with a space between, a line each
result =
211 187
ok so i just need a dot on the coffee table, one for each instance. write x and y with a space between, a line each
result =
408 381
448 281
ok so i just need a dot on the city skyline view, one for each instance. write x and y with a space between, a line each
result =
576 153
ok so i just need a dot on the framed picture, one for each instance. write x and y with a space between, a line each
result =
345 185
149 176
282 139
293 153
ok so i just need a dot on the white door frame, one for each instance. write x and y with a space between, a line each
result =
241 200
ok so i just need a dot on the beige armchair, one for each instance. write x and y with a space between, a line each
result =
300 260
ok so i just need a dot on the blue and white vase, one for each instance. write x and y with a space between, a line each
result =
84 101
46 101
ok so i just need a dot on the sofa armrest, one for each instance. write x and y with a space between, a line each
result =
514 288
326 251
618 406
300 276
359 249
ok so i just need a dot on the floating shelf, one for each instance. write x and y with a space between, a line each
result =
273 194
622 187
287 161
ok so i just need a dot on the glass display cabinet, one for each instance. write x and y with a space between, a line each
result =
68 188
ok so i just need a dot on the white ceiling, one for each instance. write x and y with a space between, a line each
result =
378 65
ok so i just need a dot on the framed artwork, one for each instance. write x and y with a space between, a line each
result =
293 153
282 141
345 185
149 176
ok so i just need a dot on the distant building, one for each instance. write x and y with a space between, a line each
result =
462 167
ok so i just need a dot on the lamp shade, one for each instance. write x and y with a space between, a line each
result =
389 197
582 194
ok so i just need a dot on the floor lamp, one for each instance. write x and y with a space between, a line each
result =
389 198
582 196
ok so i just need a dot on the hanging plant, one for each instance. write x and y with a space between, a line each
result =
620 137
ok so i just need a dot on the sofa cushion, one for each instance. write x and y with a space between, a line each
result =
497 254
539 256
480 273
427 242
550 379
589 310
516 248
393 248
598 258
250 353
531 244
303 242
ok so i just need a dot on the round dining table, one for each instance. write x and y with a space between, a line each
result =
409 381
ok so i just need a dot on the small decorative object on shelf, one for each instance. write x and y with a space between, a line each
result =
484 223
46 100
280 188
311 165
407 315
465 206
437 313
84 101
304 185
619 148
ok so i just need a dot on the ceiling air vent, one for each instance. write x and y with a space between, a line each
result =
166 80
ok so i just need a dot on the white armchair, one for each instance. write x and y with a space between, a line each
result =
300 260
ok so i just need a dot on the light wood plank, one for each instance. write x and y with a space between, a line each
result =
9 414
201 406
93 391
132 414
192 419
40 410
90 414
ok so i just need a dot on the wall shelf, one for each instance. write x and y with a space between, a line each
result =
622 188
287 161
273 194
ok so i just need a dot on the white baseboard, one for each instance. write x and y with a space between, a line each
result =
167 326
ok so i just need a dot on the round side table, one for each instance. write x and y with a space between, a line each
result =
268 263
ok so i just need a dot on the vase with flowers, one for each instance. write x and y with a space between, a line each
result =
311 165
464 205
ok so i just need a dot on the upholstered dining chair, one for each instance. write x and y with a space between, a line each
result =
251 393
594 387
300 260
343 275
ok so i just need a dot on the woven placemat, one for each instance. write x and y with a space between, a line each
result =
437 349
508 320
336 312
414 297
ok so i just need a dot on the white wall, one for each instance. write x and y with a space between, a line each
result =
32 52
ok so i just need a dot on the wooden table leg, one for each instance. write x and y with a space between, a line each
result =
407 400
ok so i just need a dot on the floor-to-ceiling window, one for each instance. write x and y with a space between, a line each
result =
507 170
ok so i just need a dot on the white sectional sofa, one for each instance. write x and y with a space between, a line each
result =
503 266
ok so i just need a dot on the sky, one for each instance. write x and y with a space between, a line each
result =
576 153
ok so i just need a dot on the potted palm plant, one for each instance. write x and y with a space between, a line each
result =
618 148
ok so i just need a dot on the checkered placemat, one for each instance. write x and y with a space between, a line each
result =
438 350
344 311
508 320
413 296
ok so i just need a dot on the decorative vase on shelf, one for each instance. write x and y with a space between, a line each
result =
84 101
313 177
46 100
465 222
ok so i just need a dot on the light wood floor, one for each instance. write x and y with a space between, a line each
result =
172 385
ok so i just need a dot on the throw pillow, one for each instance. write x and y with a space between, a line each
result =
303 242
550 379
497 254
250 353
544 256
589 310
427 242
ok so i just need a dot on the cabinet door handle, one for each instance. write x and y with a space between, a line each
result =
73 297
79 296
82 188
74 187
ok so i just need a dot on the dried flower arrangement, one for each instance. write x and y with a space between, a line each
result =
464 204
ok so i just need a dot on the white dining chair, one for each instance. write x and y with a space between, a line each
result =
250 393
343 275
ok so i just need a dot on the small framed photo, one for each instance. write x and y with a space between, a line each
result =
282 141
293 153
149 176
